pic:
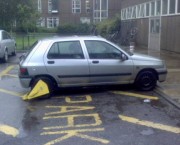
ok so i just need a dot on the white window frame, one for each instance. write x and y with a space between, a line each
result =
146 9
169 8
88 7
50 22
156 6
151 8
76 8
133 12
49 6
142 10
41 22
100 11
39 6
177 1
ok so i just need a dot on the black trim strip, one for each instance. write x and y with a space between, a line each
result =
95 75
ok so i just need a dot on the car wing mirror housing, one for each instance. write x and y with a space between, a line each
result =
123 57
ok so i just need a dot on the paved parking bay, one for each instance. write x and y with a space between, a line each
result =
92 116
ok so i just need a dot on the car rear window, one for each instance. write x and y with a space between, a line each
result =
30 49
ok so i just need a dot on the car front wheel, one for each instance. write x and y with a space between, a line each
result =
146 81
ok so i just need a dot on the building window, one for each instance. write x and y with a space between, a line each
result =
100 10
39 6
138 11
152 8
88 6
123 14
134 12
129 13
158 8
172 6
155 26
52 22
41 22
164 7
142 10
147 9
178 6
76 6
53 6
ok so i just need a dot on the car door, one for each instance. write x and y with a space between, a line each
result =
7 42
66 62
106 65
11 43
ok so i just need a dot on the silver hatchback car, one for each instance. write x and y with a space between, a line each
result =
7 46
87 61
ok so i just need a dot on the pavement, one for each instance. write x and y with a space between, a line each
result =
170 89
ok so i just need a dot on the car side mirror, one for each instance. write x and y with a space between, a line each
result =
123 57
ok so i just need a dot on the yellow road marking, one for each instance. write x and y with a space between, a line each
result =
150 124
71 121
9 68
9 130
11 93
75 133
67 109
11 75
87 99
136 95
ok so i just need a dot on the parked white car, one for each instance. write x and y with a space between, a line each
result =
7 46
87 61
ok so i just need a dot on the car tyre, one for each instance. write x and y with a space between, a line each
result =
146 81
49 83
5 58
14 52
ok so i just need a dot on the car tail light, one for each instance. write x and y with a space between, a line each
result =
24 72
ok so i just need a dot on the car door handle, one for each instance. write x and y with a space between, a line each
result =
50 62
95 61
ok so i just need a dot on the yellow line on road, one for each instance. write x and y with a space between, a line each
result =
75 133
150 124
136 95
11 75
9 68
10 93
8 130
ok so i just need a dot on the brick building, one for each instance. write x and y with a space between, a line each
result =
58 12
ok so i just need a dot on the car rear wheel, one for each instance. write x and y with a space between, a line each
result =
5 58
146 81
49 83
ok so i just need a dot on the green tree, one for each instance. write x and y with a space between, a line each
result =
22 13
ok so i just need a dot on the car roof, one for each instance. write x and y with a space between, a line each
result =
69 38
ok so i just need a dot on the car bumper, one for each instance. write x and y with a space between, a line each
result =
25 82
162 75
1 53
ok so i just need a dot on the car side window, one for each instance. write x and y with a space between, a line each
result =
102 50
66 50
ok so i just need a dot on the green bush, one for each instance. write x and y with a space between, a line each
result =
109 26
73 29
